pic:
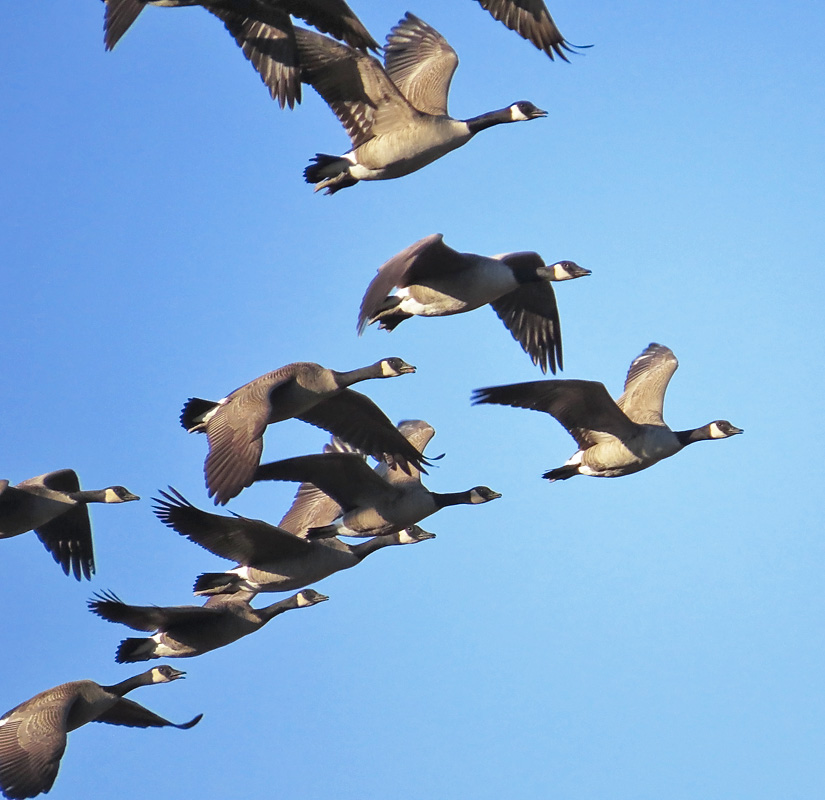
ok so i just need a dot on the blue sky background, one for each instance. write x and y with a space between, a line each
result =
654 636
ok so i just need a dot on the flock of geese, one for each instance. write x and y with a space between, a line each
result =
396 116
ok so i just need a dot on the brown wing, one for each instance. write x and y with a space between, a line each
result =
334 17
245 541
421 63
118 18
134 715
270 47
584 408
530 313
68 537
531 20
357 420
646 383
345 477
146 618
354 85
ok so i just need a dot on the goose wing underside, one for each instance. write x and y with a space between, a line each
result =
584 408
531 315
334 17
345 477
146 618
421 63
427 258
531 20
354 85
357 420
646 383
270 47
118 18
32 742
134 715
239 539
311 508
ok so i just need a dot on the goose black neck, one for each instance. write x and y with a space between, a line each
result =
450 498
268 612
360 374
361 551
89 496
120 689
693 435
480 123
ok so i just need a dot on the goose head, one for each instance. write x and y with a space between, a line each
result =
483 494
309 597
118 494
392 367
525 110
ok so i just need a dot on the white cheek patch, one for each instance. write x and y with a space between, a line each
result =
302 601
517 115
716 432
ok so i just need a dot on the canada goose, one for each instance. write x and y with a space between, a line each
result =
531 20
54 507
614 438
33 734
306 391
434 280
270 559
370 504
185 631
263 29
396 115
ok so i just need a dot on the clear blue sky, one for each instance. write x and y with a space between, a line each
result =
653 636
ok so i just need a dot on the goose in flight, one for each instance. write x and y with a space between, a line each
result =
235 425
33 734
615 438
433 280
55 508
395 115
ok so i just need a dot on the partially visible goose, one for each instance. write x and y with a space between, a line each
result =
370 504
434 280
270 559
33 734
306 391
54 507
531 20
263 29
185 631
614 438
396 115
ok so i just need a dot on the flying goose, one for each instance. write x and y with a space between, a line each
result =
54 507
270 559
531 20
434 280
235 425
185 631
396 115
615 438
33 735
371 504
264 31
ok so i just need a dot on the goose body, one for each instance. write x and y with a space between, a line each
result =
270 558
186 631
434 280
262 28
33 734
235 425
370 502
396 114
55 508
615 438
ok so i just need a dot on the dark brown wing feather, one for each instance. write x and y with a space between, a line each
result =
134 715
334 17
530 313
345 477
357 420
146 618
245 541
582 407
118 18
531 20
